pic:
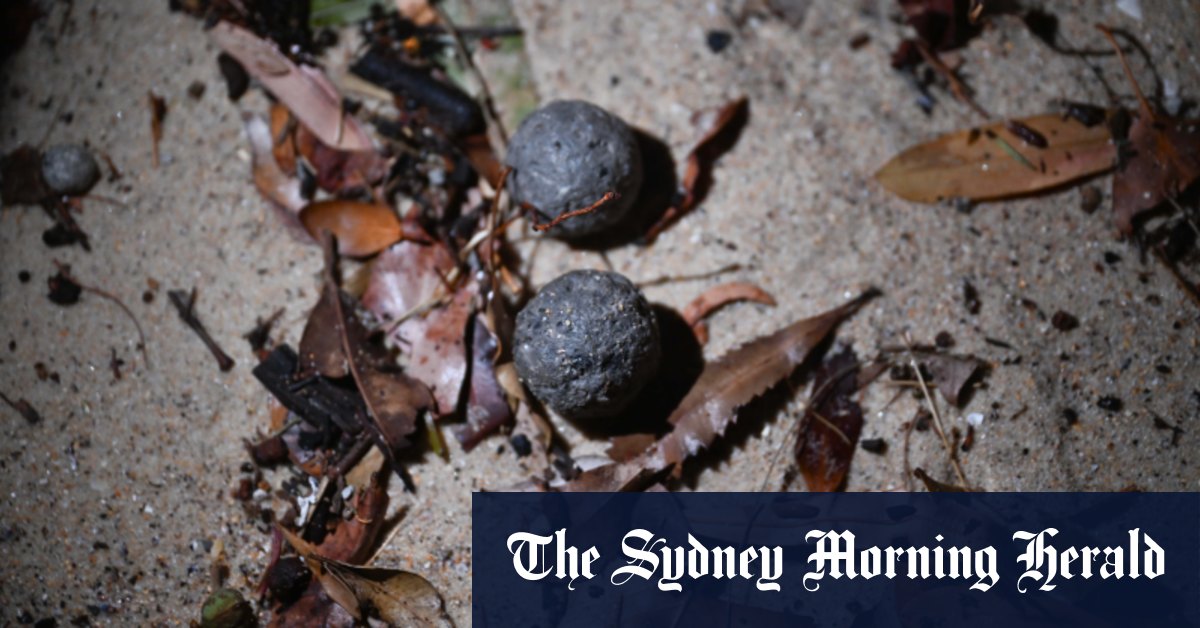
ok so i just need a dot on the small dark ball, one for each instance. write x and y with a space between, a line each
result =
569 154
69 169
586 344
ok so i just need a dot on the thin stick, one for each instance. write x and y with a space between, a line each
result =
956 86
937 418
608 196
489 105
1137 89
121 304
184 302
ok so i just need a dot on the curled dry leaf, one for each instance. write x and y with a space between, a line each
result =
354 539
340 171
832 424
361 229
1160 159
989 163
281 190
407 281
487 403
952 374
321 344
723 127
302 89
724 386
398 598
714 298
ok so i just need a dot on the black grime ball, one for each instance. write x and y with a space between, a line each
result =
586 344
566 156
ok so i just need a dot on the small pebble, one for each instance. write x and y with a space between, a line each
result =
874 445
944 340
23 276
718 40
69 169
1089 198
1110 403
975 419
1063 321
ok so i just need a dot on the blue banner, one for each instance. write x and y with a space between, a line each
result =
845 559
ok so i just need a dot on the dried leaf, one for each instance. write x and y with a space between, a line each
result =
321 344
362 229
399 598
832 424
723 387
280 189
407 282
314 609
302 89
1158 161
714 298
340 171
283 141
722 132
952 374
988 163
353 541
487 403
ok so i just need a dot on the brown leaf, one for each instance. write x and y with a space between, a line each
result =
340 171
408 281
362 229
628 446
952 374
394 400
714 298
981 164
832 424
321 344
723 131
314 609
283 142
723 387
1160 159
399 598
487 403
302 89
353 541
281 190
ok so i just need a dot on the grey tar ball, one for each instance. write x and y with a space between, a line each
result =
569 154
587 344
69 169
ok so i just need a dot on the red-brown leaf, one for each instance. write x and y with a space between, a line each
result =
1162 159
362 229
832 424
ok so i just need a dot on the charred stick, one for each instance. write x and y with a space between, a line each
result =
184 303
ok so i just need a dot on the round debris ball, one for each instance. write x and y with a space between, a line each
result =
568 155
587 344
69 169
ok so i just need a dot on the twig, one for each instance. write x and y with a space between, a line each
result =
184 303
937 417
608 196
1137 89
489 105
696 277
956 86
66 272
